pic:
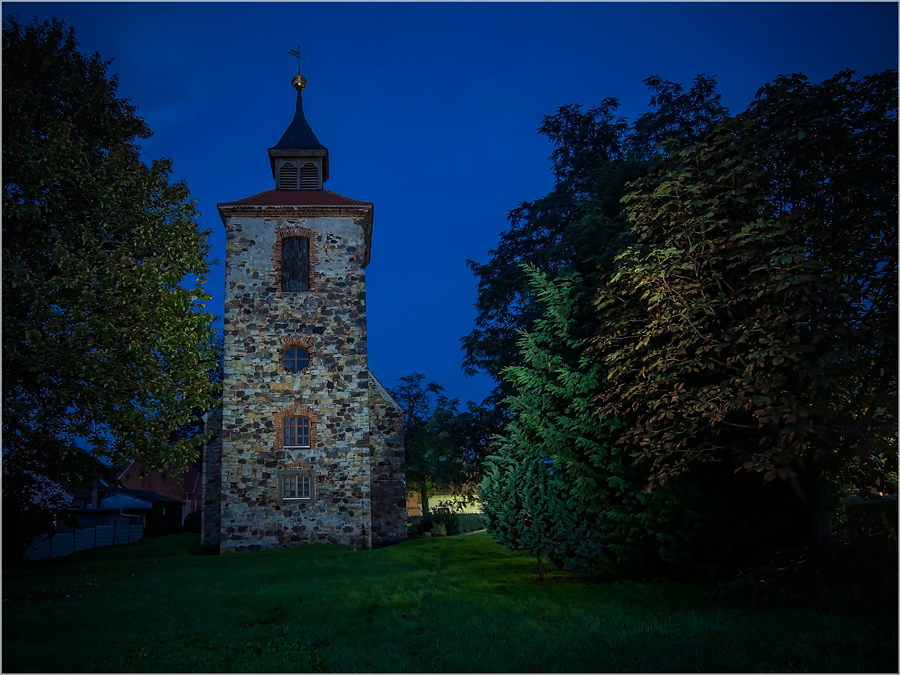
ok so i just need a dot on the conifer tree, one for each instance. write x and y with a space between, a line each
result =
559 487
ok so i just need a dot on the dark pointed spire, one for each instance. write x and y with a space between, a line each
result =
298 148
299 135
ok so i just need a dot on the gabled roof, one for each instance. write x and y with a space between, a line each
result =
385 394
161 482
296 198
145 495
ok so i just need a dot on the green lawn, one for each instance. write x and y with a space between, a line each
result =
459 604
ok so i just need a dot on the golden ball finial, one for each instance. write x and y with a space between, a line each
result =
298 82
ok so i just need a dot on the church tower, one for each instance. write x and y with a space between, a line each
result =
307 445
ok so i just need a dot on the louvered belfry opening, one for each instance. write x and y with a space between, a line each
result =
309 177
295 264
287 177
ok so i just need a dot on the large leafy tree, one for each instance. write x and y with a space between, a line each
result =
105 341
580 224
459 440
445 446
419 400
754 321
743 231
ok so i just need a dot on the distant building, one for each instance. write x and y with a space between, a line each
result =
308 445
186 488
161 514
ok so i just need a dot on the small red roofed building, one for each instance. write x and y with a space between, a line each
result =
186 488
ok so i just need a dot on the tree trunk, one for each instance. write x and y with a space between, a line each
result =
820 511
817 498
423 493
541 568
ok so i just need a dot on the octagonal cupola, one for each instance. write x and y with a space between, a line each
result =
299 161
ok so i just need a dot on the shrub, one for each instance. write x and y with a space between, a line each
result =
856 518
449 521
835 575
470 522
438 530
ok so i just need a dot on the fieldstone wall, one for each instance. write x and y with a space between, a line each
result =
331 318
211 494
388 466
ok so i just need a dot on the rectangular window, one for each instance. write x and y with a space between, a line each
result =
295 264
296 432
297 485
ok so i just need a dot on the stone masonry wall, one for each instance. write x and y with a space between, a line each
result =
210 515
388 466
335 386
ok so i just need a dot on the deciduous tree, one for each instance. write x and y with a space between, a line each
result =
419 399
105 339
580 225
754 321
445 446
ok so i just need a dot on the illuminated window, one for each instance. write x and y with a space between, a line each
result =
295 432
295 359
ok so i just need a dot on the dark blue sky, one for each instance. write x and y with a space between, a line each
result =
430 112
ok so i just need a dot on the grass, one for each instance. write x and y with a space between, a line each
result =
426 605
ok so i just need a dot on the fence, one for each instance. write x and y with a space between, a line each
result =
66 541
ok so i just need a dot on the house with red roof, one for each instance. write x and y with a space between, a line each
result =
185 487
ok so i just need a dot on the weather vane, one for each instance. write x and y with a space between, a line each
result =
299 55
298 81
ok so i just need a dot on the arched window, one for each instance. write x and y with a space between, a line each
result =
295 359
295 264
295 432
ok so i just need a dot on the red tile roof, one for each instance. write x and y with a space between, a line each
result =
296 198
161 483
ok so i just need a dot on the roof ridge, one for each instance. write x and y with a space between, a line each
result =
235 201
338 194
276 197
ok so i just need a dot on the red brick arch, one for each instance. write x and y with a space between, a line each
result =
283 232
300 410
295 341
